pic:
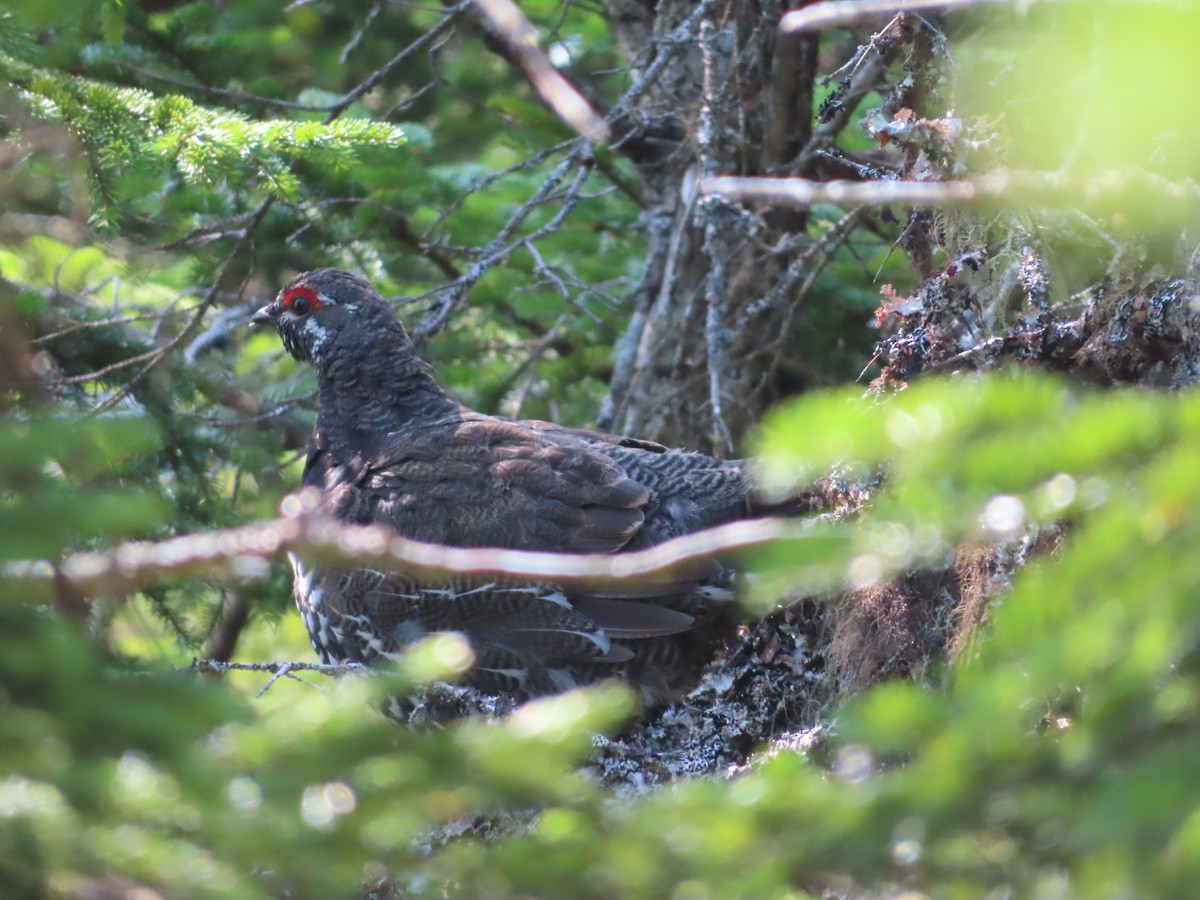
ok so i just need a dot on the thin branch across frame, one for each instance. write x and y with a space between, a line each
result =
1034 188
244 552
840 13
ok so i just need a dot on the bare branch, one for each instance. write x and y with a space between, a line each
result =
219 667
519 38
286 669
429 37
1032 188
803 192
836 13
361 31
239 553
233 226
225 93
193 327
667 46
811 263
499 248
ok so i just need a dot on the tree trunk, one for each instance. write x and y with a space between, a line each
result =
693 368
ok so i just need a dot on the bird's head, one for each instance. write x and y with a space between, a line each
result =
322 312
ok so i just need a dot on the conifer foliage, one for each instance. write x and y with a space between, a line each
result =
970 671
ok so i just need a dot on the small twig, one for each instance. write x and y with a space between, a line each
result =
821 249
866 77
346 100
819 255
103 371
360 32
849 67
213 385
485 181
207 234
667 46
283 670
228 322
500 249
248 402
227 93
541 268
983 348
158 355
100 323
874 359
536 351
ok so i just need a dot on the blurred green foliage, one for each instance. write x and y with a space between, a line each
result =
1095 96
1056 760
1058 757
1098 86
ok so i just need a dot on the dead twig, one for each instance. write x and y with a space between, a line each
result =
840 13
244 552
518 38
285 669
1027 188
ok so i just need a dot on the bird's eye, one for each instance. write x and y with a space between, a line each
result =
301 301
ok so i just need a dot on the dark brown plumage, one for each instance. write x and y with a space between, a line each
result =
390 446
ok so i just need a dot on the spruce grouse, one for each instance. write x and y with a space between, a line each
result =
390 446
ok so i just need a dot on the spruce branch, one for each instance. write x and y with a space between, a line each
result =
126 129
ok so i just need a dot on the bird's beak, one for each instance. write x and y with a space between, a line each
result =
264 316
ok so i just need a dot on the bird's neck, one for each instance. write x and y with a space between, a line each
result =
368 395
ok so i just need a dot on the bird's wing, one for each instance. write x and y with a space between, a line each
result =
474 481
318 461
594 438
482 481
